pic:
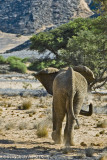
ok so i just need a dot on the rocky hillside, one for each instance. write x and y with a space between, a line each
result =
29 16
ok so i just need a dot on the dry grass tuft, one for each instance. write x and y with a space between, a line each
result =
102 132
97 135
42 132
83 144
26 105
9 105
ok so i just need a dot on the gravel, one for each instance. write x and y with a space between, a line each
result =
29 54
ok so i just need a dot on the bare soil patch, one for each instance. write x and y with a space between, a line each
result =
9 41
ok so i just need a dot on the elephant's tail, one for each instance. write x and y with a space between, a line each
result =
71 92
72 112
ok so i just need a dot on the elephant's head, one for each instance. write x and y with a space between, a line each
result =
46 77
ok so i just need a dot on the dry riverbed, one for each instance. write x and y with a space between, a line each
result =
18 127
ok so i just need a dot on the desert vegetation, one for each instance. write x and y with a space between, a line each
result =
16 64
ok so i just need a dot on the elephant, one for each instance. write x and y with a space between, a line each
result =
69 88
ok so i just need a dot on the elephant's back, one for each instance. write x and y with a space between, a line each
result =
64 84
61 83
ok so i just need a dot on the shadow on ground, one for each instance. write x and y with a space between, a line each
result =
50 152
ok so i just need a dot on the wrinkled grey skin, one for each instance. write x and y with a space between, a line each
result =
69 92
69 88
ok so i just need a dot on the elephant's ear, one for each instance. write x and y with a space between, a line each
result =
46 77
86 72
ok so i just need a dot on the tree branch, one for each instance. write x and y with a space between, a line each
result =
99 86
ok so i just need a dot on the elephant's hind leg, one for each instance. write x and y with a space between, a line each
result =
69 131
70 121
58 116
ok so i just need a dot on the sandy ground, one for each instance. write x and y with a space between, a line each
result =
9 41
18 128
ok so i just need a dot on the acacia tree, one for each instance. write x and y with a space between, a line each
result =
58 38
88 49
81 41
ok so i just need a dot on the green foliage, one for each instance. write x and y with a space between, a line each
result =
38 65
16 63
24 60
18 66
81 41
2 60
57 38
13 58
87 48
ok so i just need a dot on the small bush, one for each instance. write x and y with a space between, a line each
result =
9 105
13 58
83 144
2 60
102 132
24 60
26 105
42 132
97 135
18 66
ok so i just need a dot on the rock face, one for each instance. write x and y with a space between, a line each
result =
30 16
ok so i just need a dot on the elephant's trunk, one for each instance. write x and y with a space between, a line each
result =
87 113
